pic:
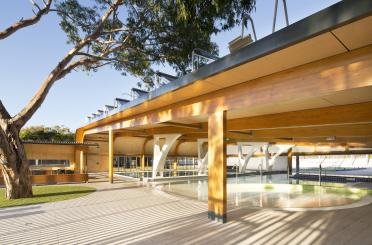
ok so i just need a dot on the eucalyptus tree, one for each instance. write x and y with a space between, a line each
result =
129 36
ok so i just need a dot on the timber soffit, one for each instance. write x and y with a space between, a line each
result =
330 18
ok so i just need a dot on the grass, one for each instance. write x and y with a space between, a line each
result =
43 194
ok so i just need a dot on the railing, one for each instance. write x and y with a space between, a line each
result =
165 173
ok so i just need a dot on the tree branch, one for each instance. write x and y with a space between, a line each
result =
75 65
115 30
27 22
59 71
102 64
3 112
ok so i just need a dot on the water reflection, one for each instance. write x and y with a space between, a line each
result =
270 192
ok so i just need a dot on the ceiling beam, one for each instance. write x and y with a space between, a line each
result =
361 130
360 113
182 125
350 115
172 130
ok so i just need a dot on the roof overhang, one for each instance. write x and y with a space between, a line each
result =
340 28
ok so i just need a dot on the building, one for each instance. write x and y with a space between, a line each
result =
306 85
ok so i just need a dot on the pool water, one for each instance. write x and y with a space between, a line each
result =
274 191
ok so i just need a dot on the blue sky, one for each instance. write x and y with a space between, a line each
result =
27 57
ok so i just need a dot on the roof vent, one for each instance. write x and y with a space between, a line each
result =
166 76
136 92
162 79
119 102
200 58
100 112
108 108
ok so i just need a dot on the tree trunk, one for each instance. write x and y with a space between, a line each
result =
14 165
17 183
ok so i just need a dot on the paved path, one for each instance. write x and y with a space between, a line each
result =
127 213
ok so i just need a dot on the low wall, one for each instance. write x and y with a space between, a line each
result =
55 179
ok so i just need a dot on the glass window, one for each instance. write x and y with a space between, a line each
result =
32 162
64 163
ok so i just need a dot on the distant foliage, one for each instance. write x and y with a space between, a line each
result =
42 133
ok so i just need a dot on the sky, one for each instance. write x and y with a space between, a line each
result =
29 55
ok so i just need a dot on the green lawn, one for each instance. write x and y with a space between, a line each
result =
43 194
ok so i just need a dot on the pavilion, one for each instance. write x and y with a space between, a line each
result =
309 83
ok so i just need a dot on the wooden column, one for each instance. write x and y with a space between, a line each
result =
142 165
175 166
143 162
82 162
289 163
217 195
111 156
81 158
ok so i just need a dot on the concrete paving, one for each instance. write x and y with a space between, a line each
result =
129 213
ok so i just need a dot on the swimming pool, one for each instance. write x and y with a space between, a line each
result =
274 191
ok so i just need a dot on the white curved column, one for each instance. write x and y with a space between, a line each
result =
270 161
267 156
244 159
161 152
202 156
